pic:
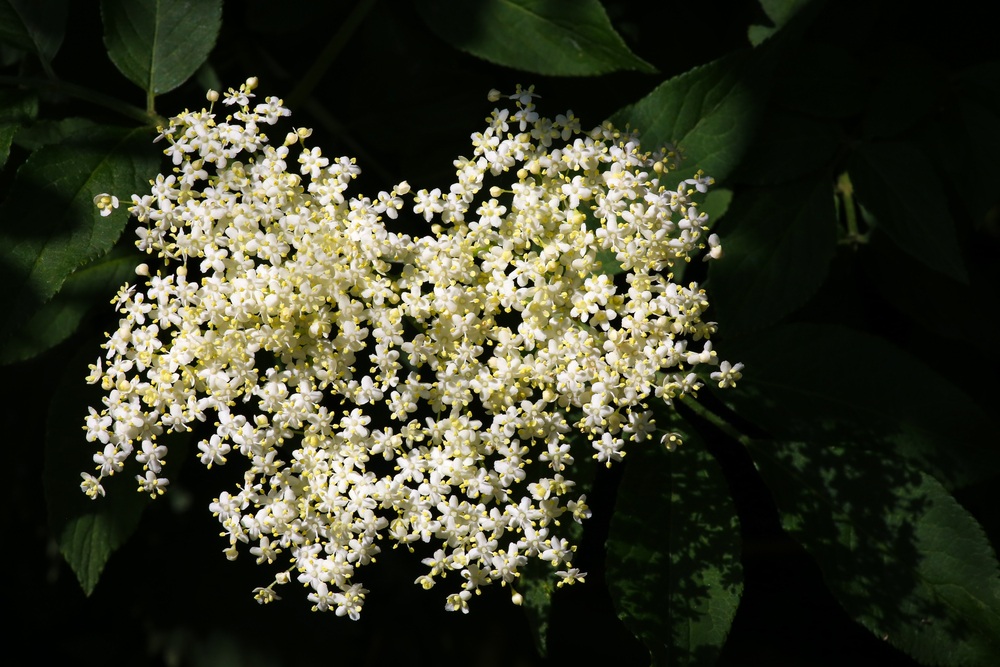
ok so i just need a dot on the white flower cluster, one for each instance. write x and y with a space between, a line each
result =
385 388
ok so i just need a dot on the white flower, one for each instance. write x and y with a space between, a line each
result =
106 203
380 388
728 374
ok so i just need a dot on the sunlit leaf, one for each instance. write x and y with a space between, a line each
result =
716 203
778 243
828 383
709 112
673 553
898 185
50 225
159 44
898 552
553 39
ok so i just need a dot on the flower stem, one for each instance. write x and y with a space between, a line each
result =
718 422
85 94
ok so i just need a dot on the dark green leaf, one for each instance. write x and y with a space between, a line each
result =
779 12
49 225
907 286
45 132
910 87
537 586
16 107
788 146
965 142
978 82
897 184
824 81
898 552
673 553
828 384
777 254
7 133
89 531
159 44
59 318
553 39
35 26
537 580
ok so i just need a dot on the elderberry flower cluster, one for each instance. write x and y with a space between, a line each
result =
429 391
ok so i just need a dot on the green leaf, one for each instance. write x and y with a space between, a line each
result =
710 113
89 531
537 581
159 44
717 201
537 586
779 12
35 26
911 87
898 552
59 318
777 254
978 82
49 225
788 146
673 553
16 108
965 142
45 132
827 384
897 184
552 39
823 80
7 133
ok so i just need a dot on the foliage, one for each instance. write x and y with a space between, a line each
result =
847 483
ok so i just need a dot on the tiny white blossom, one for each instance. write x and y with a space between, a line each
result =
105 203
378 388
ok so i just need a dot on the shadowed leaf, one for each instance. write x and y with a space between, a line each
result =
897 551
673 553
